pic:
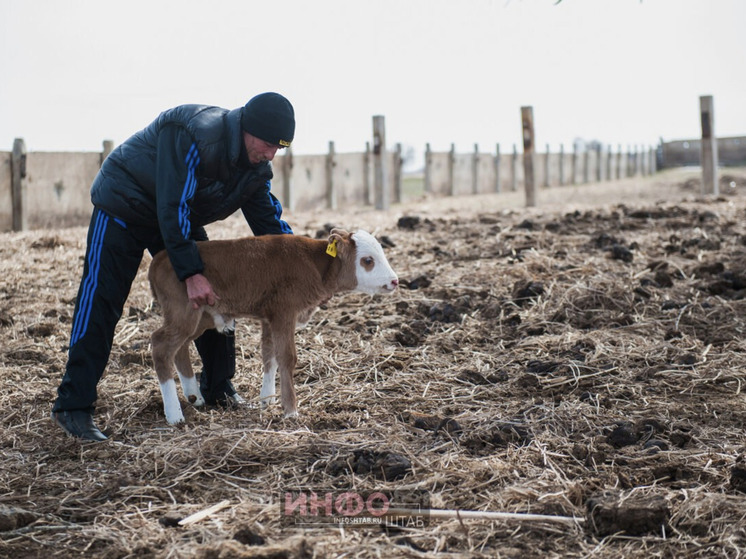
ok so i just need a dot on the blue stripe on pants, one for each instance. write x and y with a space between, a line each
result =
90 283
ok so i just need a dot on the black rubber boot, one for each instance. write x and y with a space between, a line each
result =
218 354
79 424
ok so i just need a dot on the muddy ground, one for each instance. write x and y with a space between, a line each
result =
583 360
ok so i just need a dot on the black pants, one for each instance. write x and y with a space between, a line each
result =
112 258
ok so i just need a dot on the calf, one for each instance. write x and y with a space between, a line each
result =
278 279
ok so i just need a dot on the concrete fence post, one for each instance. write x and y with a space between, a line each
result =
527 123
380 182
709 149
18 185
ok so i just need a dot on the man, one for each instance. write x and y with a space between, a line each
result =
192 166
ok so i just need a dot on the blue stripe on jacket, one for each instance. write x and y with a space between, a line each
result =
90 283
190 185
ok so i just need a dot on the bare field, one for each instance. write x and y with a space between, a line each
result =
583 360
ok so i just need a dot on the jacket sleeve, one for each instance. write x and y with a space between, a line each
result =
263 213
176 180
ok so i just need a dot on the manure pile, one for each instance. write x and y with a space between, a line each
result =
584 365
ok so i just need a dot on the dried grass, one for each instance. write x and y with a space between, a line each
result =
539 369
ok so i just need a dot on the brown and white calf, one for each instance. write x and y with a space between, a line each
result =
278 279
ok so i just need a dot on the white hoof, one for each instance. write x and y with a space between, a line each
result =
229 328
226 327
266 401
171 405
175 419
190 388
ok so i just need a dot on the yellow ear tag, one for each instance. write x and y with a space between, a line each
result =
331 248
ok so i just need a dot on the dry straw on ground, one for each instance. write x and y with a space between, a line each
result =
584 359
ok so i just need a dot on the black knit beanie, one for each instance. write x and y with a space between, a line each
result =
269 117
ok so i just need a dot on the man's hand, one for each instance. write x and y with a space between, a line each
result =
200 291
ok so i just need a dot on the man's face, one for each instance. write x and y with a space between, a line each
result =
258 150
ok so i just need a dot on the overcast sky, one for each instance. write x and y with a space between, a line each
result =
76 72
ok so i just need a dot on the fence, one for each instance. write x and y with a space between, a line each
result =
453 174
51 189
681 153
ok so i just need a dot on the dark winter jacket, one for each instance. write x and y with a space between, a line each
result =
188 168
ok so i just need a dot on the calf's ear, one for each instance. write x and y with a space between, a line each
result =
339 233
338 242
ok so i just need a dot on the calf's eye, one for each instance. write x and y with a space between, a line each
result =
367 262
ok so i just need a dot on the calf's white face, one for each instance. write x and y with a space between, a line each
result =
373 271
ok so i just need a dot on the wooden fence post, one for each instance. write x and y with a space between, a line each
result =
562 165
619 161
381 191
527 122
514 178
574 176
428 169
18 185
586 165
599 163
108 147
546 168
398 164
451 165
366 174
628 162
287 171
331 190
709 149
475 170
636 161
609 156
497 168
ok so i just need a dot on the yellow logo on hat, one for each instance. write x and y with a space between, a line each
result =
284 143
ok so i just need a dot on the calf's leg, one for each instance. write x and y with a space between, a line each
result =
165 345
267 396
283 341
189 384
